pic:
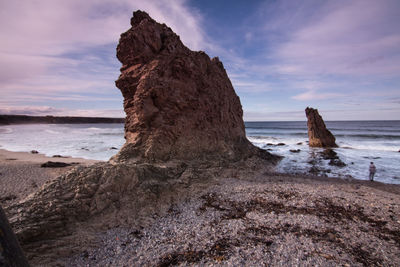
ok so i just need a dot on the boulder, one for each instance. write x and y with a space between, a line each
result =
318 134
179 104
337 162
59 156
329 154
314 170
54 164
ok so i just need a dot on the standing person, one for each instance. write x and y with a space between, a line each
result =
372 170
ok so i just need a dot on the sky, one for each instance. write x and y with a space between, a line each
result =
57 57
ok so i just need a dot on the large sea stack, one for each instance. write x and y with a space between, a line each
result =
179 104
184 131
318 134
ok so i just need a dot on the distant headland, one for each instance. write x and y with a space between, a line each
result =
24 119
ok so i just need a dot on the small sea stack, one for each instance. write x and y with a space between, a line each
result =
318 134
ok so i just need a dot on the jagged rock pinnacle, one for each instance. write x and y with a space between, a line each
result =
179 104
318 134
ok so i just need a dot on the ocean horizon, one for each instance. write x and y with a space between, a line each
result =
360 142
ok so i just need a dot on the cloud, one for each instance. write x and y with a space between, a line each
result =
294 115
54 27
344 52
26 110
358 37
47 110
249 86
314 95
60 47
315 38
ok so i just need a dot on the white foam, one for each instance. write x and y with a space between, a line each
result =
94 129
69 139
51 132
64 139
4 130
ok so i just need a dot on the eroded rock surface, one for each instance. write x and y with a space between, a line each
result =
318 134
63 217
179 104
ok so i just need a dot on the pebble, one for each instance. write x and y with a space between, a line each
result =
249 223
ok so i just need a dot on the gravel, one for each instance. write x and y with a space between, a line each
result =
268 221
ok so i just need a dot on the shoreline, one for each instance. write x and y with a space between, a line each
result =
24 156
102 142
28 160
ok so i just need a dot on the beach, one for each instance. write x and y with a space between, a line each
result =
200 133
269 220
257 218
21 174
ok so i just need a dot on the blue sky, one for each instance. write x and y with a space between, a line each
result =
340 56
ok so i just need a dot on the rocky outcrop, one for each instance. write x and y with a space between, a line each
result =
318 134
65 214
183 130
179 104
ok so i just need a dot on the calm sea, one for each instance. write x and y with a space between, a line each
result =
360 142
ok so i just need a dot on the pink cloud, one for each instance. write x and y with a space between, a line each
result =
51 27
314 95
351 38
47 110
37 35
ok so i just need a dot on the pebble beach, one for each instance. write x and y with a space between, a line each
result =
272 220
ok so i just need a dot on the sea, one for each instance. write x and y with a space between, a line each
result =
360 142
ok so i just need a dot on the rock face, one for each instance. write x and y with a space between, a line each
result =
11 253
318 134
179 104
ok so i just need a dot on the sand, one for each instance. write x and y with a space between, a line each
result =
263 219
21 174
